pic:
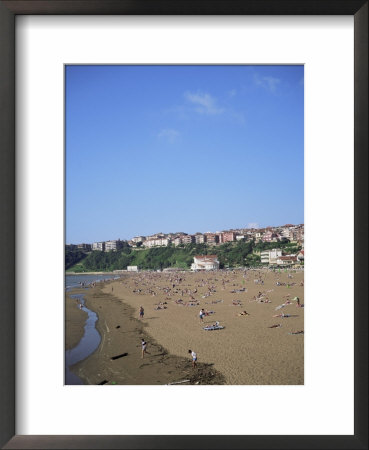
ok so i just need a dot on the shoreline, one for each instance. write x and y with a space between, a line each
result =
75 319
93 273
118 360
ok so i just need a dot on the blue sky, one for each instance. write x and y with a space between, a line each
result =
182 148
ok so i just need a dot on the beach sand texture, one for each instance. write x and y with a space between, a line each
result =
245 352
74 321
118 359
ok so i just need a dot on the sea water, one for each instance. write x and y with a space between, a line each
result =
91 337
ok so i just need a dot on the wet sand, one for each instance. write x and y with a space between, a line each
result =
74 322
247 351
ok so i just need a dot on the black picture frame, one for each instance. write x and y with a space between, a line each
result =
8 11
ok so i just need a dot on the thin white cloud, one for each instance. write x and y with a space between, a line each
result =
203 103
269 83
169 135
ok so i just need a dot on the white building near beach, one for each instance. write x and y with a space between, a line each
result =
270 256
205 262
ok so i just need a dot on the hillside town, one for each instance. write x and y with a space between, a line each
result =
270 256
288 232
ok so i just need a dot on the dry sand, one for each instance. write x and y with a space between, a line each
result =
246 351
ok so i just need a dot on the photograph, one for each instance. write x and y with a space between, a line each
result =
184 225
171 155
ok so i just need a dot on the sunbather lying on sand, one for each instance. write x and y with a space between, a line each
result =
275 326
243 313
264 300
157 307
216 324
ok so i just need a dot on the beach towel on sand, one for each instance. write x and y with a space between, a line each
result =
213 327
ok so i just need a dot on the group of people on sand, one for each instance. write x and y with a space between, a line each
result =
144 351
177 285
160 305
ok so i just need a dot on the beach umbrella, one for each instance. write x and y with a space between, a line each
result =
295 299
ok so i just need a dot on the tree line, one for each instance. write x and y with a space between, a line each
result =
230 254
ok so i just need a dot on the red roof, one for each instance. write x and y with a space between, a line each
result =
206 257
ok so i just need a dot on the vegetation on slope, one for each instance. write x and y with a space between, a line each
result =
230 254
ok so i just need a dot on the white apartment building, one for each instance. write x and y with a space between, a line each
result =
113 246
200 239
188 239
270 256
205 262
99 246
156 243
149 243
258 235
177 241
138 239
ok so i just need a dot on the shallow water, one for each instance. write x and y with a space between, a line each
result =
74 281
91 338
87 345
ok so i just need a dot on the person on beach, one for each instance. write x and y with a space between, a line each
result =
143 347
201 315
141 312
194 358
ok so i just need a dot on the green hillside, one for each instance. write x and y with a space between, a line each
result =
231 254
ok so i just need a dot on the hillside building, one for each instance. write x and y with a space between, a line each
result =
205 262
98 246
270 256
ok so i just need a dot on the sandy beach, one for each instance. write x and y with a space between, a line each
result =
118 359
247 351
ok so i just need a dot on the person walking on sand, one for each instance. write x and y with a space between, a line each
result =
143 347
201 315
141 312
194 358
